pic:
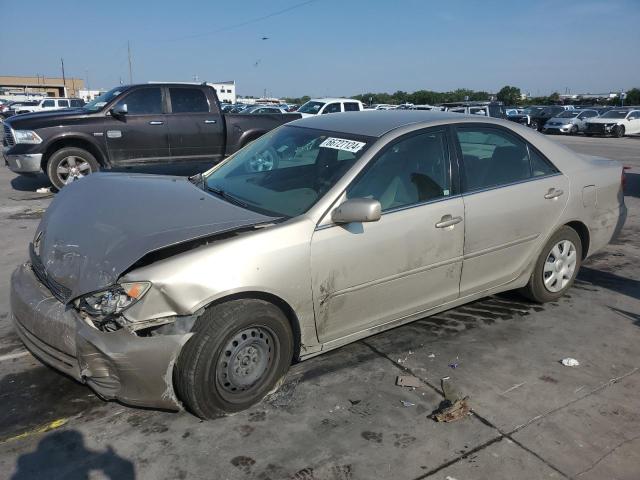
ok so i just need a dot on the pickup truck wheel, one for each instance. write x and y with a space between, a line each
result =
239 352
556 267
70 164
534 124
618 131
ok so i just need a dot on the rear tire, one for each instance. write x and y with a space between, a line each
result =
239 352
70 164
556 267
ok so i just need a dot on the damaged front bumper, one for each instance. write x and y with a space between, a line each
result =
117 365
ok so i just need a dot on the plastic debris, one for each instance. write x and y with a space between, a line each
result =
406 403
432 355
570 362
408 381
44 190
454 365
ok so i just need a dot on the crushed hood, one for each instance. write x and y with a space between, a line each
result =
98 227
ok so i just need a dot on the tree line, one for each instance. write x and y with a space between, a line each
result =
509 95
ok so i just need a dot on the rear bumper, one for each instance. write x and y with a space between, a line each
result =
117 365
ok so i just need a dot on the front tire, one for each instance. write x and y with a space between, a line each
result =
556 267
618 131
70 164
574 130
239 352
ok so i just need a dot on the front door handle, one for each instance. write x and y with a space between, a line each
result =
553 193
155 122
448 221
210 121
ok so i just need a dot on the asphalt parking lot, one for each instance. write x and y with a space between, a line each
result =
341 416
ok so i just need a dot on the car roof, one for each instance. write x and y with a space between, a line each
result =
373 123
330 99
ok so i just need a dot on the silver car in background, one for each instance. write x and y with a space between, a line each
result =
569 122
166 292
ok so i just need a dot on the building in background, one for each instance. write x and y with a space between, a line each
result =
40 85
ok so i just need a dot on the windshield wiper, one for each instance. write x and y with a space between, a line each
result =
227 196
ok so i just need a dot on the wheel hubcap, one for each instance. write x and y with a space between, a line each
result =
559 266
71 169
245 359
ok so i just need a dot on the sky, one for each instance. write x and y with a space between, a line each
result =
331 47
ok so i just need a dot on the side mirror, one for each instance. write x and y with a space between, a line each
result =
119 110
357 210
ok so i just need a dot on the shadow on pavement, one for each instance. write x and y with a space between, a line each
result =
634 317
64 455
610 281
31 183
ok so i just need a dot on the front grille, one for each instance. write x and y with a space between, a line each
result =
595 127
61 292
8 141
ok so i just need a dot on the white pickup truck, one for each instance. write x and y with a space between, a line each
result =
51 104
319 106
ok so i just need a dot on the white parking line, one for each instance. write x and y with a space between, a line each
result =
11 356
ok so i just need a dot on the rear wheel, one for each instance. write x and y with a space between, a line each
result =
556 267
239 352
70 164
618 131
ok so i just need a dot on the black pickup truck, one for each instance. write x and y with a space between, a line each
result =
130 125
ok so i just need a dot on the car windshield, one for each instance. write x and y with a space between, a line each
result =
286 171
568 114
100 101
311 107
533 110
615 114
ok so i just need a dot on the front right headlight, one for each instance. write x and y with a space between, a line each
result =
26 136
113 300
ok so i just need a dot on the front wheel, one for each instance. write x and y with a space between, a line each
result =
618 131
70 164
239 352
574 130
556 267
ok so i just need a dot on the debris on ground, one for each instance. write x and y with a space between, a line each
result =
513 388
454 365
432 355
408 381
406 403
450 412
44 190
453 407
570 362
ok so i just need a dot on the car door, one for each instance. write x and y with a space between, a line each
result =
512 198
634 122
140 135
583 117
196 127
367 274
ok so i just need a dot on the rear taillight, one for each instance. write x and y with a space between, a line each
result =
623 177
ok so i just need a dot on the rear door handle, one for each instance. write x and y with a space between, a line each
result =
553 193
448 221
155 122
210 121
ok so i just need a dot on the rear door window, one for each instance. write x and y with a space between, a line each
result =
63 103
492 158
351 107
49 103
188 100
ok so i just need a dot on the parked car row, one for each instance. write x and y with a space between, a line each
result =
16 108
570 120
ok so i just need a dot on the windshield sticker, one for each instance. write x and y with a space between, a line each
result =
343 144
100 104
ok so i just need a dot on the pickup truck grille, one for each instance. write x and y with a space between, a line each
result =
61 292
8 141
